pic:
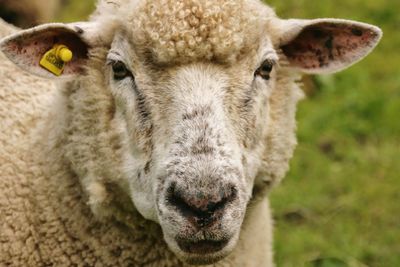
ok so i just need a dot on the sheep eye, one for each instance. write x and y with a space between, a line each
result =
120 71
264 71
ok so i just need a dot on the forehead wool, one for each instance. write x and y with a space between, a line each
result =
192 30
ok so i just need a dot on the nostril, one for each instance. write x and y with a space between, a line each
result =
226 196
199 206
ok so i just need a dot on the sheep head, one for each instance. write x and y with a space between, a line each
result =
185 110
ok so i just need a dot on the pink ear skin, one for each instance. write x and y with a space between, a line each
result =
26 48
329 46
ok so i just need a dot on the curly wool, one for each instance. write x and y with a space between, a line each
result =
45 216
45 220
190 30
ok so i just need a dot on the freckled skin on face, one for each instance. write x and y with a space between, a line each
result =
196 162
193 124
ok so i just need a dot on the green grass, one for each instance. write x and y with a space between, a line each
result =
76 10
340 203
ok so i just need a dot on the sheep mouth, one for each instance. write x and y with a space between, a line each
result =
202 247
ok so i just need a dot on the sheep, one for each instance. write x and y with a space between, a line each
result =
27 13
161 139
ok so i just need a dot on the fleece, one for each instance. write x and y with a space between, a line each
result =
44 216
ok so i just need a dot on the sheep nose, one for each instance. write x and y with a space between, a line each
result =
200 208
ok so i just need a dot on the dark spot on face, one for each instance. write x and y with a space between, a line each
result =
244 160
190 116
147 167
248 99
116 252
245 144
145 126
223 154
179 142
202 150
111 111
201 147
357 32
142 105
197 112
79 30
173 163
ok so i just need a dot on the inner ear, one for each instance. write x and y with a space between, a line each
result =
330 46
27 48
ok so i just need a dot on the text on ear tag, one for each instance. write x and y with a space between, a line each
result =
55 59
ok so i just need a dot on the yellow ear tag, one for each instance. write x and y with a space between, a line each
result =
55 59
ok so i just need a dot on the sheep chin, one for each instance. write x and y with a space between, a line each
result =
201 255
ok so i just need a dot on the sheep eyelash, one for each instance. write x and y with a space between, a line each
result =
114 56
110 61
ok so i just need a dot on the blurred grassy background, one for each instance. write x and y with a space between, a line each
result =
340 203
75 10
341 199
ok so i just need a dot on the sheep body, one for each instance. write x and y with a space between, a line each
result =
46 222
45 218
64 200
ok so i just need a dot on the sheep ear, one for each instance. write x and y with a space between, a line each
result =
326 45
28 47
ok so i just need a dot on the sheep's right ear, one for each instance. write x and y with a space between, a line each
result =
26 48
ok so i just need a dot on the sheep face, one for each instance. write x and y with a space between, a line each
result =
195 120
185 110
198 130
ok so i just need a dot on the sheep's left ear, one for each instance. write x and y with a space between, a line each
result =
28 47
326 45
